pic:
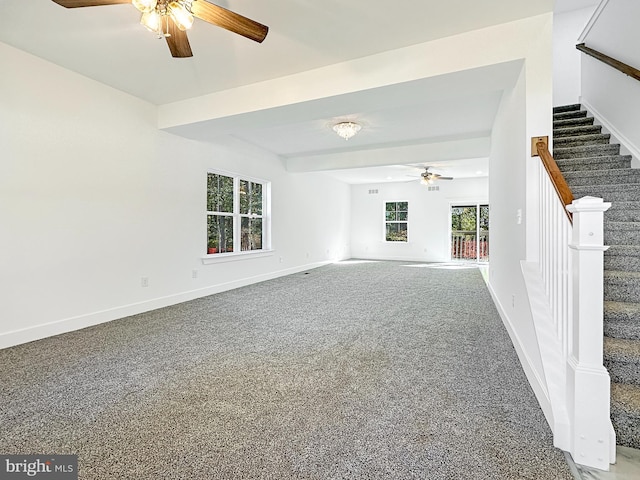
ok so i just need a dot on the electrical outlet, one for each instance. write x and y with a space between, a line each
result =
144 281
194 273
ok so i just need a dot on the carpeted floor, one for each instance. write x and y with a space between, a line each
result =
373 370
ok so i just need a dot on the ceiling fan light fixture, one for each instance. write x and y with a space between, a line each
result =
180 15
145 6
346 130
152 21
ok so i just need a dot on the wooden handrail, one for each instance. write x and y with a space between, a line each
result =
557 179
617 64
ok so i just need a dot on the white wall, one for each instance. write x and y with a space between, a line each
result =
567 27
525 111
611 96
94 197
429 218
509 235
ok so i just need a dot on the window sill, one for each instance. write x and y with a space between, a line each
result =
234 256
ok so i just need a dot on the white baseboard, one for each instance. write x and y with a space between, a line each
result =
37 332
537 384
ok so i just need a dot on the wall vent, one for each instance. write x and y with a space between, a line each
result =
433 188
373 191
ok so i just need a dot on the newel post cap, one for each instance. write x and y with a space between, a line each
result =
588 213
589 204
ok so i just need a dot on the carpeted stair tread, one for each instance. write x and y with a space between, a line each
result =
625 205
622 233
622 257
625 413
576 130
610 193
567 108
562 153
622 250
622 359
627 397
621 236
580 140
622 349
569 122
602 177
569 115
621 286
623 212
622 320
624 227
594 163
623 276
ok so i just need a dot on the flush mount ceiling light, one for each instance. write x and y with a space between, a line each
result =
346 130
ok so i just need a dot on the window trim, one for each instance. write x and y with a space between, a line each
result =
237 253
385 222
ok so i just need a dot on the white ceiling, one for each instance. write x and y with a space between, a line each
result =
107 44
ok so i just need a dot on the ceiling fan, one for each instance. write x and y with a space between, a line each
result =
171 18
428 177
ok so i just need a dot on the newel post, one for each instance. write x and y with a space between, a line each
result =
588 384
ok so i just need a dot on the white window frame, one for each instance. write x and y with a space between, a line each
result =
468 203
237 254
385 222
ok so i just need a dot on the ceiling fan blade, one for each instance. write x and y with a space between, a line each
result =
178 41
229 20
88 3
444 178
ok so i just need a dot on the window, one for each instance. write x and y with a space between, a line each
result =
396 217
470 232
236 214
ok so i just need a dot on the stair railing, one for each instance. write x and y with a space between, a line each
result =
612 62
571 264
555 233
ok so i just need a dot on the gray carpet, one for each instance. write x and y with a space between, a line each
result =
359 371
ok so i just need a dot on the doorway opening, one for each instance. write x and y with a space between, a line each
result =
470 232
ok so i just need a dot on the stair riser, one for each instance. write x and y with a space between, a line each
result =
567 108
559 133
580 141
582 165
622 372
626 428
609 195
569 115
572 122
622 216
621 290
622 329
622 237
621 263
590 151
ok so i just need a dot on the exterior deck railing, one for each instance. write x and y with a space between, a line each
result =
467 245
